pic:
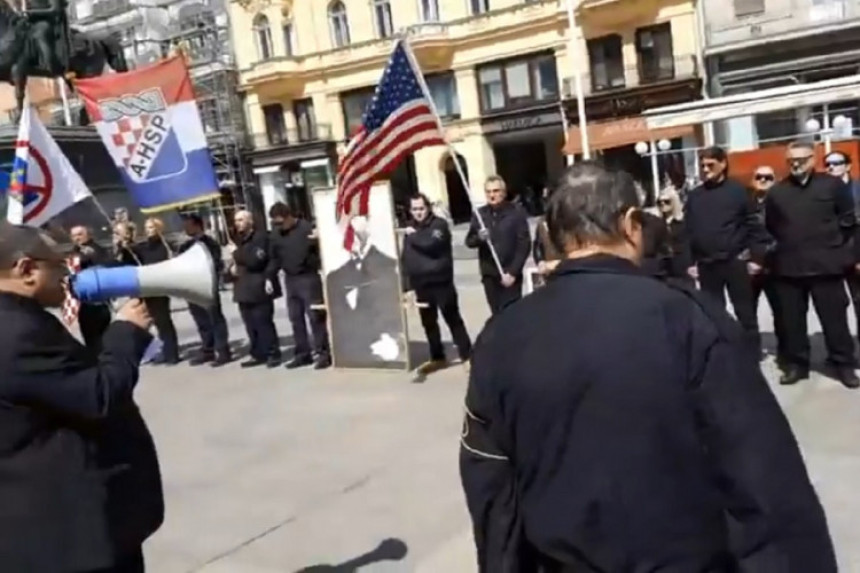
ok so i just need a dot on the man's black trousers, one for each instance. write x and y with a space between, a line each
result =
159 309
259 319
764 283
443 299
831 305
93 320
500 296
716 278
212 327
303 292
130 563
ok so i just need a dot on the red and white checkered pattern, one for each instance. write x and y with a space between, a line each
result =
125 133
71 305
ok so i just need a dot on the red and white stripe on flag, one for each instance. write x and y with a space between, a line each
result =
71 306
398 121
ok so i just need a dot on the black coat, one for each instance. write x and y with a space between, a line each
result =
509 233
428 258
79 476
375 284
92 254
294 251
813 227
655 245
255 266
652 444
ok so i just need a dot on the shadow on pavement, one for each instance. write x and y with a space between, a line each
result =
388 550
817 352
238 347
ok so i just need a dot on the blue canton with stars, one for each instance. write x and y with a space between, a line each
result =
398 87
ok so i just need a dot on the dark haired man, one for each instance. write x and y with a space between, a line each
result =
677 400
726 238
812 220
211 323
295 251
428 265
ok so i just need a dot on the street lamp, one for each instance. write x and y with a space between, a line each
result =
652 150
826 132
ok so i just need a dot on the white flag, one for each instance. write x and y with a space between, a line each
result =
43 182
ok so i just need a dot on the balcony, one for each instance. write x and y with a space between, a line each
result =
789 18
621 78
317 133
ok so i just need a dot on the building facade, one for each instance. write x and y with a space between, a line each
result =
308 69
750 45
635 55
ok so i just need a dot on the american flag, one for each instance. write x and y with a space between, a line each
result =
71 305
398 121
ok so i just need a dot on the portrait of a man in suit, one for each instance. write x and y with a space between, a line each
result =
364 303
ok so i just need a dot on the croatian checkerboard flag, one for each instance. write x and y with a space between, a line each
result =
43 183
149 122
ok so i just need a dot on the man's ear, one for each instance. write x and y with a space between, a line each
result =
24 268
631 221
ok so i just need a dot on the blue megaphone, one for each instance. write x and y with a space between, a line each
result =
190 276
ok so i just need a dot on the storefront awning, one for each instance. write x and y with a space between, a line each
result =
761 101
619 132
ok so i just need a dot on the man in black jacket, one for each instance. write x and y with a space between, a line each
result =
255 289
428 265
811 218
211 323
93 318
295 251
727 240
507 231
652 444
81 487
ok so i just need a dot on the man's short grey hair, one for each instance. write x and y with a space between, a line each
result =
588 203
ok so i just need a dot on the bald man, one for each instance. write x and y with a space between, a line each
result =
93 319
255 289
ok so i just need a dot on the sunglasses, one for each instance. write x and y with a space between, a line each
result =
798 160
835 163
763 177
663 202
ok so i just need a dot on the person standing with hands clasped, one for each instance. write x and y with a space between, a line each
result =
81 487
255 289
506 231
428 265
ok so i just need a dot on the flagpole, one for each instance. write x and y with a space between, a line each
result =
451 151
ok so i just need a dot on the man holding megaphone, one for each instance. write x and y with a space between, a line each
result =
81 487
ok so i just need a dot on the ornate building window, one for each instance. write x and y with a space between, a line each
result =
382 18
263 35
429 10
338 23
287 34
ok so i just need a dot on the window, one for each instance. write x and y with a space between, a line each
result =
306 121
287 32
518 82
443 92
429 10
276 129
654 51
208 109
263 36
338 23
354 103
382 17
748 7
607 63
479 6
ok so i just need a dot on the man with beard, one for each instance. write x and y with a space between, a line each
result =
428 265
93 318
81 487
811 218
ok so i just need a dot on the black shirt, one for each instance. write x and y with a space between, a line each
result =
721 223
509 233
428 257
293 250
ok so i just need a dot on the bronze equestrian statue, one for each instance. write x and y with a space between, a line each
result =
40 43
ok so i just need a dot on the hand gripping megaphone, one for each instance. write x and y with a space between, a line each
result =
190 276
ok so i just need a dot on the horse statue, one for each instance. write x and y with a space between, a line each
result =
39 43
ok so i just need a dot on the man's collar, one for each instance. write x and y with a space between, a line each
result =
598 263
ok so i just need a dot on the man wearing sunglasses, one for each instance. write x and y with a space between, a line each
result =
727 240
812 220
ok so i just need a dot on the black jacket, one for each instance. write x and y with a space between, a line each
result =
254 266
293 250
655 245
722 224
428 257
652 444
813 227
509 233
91 254
79 476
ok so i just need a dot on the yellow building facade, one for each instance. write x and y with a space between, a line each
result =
494 69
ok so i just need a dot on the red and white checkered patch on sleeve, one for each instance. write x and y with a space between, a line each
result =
71 305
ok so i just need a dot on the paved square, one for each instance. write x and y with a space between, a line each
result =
275 471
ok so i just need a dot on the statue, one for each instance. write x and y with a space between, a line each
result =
40 43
